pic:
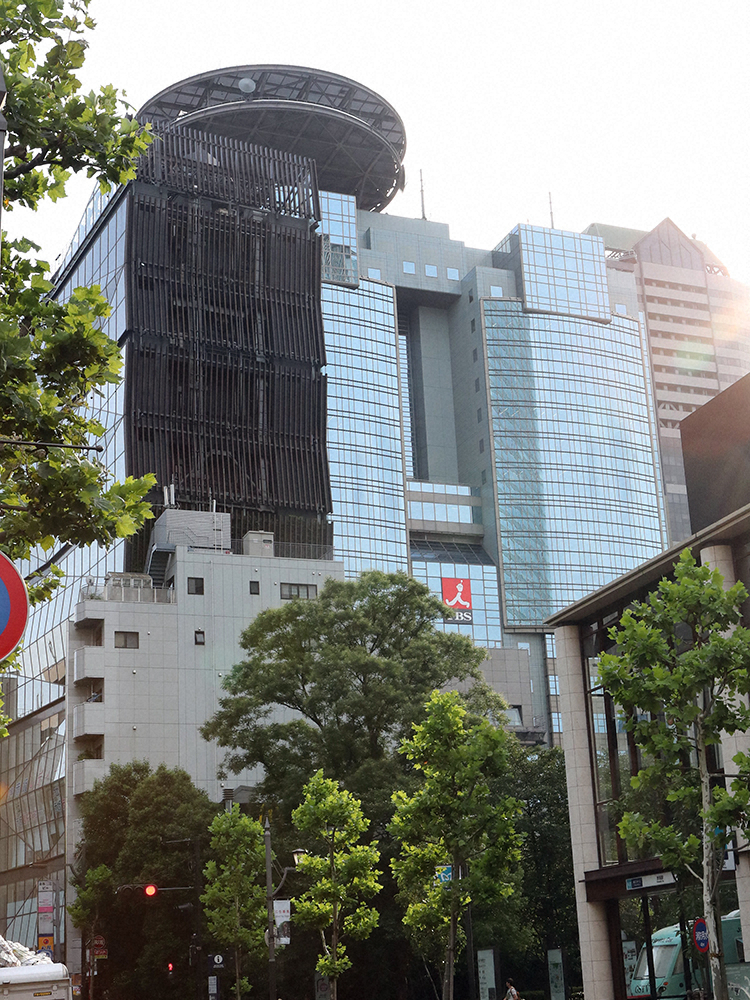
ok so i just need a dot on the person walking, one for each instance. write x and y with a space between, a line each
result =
512 993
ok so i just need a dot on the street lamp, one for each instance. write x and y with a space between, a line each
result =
271 894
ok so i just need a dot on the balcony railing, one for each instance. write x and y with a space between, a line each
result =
135 590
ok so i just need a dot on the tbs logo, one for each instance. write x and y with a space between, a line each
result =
457 595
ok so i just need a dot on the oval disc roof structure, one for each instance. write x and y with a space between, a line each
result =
355 137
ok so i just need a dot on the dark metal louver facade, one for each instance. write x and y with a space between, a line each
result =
225 395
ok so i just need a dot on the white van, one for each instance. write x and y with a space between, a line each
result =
26 982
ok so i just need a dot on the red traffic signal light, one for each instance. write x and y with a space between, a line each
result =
137 889
170 969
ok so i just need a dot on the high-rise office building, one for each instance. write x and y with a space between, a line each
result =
698 323
357 384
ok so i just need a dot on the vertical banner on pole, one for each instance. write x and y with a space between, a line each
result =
556 974
486 974
282 913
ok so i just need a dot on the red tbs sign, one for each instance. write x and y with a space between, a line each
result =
457 595
14 606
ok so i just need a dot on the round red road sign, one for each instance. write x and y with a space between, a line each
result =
14 606
700 934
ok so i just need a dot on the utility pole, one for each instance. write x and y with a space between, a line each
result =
271 917
195 949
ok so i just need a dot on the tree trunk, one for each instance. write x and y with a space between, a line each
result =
711 875
334 924
237 968
450 951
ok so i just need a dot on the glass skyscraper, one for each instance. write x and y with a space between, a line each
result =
573 420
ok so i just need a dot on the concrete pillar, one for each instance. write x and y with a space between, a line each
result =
720 557
596 964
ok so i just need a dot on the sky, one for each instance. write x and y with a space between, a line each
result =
625 112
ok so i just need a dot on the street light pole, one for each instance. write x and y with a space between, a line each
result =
271 917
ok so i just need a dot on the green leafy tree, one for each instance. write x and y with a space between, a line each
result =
96 894
453 822
681 677
54 129
52 359
355 667
55 358
546 916
234 903
343 872
128 820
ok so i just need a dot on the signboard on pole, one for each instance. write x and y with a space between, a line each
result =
14 606
443 874
99 947
45 908
322 987
282 913
45 945
700 935
556 974
486 974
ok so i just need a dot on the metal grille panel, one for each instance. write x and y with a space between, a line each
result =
225 393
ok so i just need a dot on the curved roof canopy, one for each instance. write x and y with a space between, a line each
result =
355 137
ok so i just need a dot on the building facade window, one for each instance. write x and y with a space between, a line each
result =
255 587
374 273
365 427
304 591
409 267
126 640
451 273
573 526
200 637
195 584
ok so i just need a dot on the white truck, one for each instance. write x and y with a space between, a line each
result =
27 982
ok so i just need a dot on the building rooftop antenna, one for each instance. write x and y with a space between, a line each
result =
551 216
421 192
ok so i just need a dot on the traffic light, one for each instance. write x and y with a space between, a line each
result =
170 969
147 889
